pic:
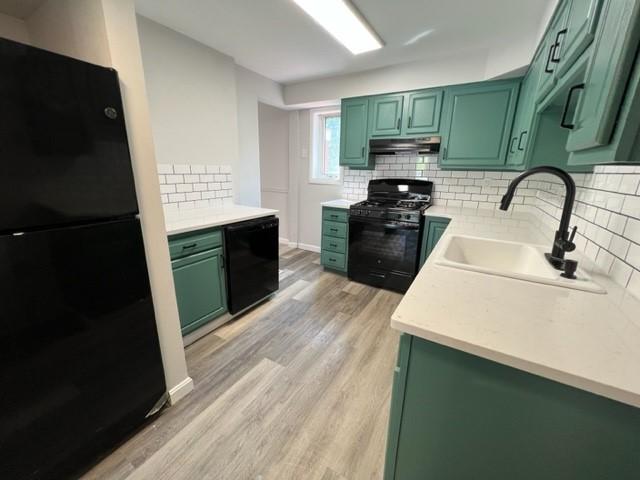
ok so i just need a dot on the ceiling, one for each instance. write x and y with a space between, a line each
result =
19 8
278 40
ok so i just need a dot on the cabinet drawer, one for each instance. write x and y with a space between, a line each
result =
335 215
334 244
334 229
190 244
333 259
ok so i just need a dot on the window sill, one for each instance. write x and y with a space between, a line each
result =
321 181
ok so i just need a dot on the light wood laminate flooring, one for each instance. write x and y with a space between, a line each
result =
297 388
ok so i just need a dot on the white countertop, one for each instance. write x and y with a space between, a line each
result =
340 203
586 340
186 220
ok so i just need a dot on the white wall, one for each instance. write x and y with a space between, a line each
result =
309 195
13 29
71 27
192 98
274 162
409 76
251 88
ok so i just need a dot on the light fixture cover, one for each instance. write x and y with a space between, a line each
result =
341 19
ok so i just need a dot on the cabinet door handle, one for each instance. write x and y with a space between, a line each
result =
398 124
444 153
522 134
362 152
556 46
513 140
334 245
333 229
565 112
409 122
191 245
551 50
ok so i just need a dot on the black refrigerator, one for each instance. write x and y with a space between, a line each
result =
80 363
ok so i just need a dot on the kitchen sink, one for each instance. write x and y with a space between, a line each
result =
521 261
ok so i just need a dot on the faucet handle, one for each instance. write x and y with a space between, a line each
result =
569 246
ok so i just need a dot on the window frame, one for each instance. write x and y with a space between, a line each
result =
317 146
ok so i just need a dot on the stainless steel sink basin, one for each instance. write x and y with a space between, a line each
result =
508 259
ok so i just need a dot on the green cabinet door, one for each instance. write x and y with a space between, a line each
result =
385 115
422 112
525 114
200 288
477 124
602 94
456 416
353 133
578 33
550 49
433 230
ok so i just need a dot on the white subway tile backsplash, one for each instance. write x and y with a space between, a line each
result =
195 186
607 209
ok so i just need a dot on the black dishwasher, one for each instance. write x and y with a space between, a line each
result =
251 254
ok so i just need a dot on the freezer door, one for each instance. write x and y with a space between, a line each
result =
80 363
64 156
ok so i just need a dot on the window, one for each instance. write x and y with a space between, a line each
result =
325 146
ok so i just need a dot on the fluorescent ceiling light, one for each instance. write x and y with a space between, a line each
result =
343 22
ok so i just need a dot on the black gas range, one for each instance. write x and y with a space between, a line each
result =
385 232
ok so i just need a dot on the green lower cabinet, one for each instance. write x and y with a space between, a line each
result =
477 123
335 238
456 416
199 278
433 229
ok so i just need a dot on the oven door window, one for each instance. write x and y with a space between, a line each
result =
384 246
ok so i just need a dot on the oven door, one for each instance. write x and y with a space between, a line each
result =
382 253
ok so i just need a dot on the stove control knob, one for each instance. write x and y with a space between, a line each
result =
408 216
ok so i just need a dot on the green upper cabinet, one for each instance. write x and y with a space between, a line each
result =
422 112
550 45
603 91
385 115
353 132
525 114
578 32
477 124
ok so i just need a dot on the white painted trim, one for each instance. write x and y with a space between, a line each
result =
180 391
311 248
275 190
284 241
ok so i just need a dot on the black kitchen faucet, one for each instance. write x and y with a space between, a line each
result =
563 241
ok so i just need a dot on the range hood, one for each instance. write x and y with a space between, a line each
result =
392 146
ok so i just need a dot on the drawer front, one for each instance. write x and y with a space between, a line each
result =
193 243
334 244
334 229
333 260
335 215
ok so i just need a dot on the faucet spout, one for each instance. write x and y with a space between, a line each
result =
563 241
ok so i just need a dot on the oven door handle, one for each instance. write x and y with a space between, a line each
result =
395 226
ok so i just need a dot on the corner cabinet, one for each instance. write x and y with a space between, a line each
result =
458 416
477 124
335 238
354 148
197 262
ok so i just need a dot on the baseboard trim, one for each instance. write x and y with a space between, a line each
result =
284 241
180 391
311 248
